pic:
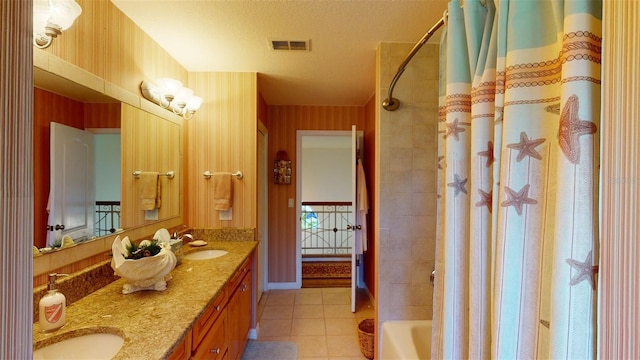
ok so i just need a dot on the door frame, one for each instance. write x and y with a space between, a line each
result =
298 199
263 209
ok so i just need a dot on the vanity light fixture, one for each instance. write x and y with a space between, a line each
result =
171 95
51 18
192 106
168 88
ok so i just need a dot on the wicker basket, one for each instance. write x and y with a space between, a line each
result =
366 337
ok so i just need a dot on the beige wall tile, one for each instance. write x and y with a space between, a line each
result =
407 184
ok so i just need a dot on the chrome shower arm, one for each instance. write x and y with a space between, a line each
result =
390 103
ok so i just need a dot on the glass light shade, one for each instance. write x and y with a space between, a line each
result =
40 16
64 13
182 96
194 103
168 87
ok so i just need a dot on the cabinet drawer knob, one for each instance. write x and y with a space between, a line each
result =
217 307
215 351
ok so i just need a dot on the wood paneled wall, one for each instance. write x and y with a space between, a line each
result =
149 143
100 116
222 137
48 107
106 43
284 121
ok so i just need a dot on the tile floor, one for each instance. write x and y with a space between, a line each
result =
319 320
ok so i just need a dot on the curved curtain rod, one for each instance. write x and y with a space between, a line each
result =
391 103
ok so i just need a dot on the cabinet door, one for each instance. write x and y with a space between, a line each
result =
245 314
239 313
208 318
214 344
183 351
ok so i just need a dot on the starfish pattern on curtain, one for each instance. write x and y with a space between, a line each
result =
518 199
526 147
571 128
511 283
584 271
488 154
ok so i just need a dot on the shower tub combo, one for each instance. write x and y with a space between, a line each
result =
410 339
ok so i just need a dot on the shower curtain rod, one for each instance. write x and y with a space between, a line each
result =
391 103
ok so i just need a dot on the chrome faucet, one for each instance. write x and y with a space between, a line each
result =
175 236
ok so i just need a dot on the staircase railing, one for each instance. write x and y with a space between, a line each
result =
324 228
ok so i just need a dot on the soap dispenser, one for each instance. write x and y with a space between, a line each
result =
52 307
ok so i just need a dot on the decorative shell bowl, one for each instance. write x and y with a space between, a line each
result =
148 273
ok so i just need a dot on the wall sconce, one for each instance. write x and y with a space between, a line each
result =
51 18
171 95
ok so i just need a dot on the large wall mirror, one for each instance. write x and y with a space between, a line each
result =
124 139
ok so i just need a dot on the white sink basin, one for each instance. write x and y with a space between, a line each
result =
205 254
88 346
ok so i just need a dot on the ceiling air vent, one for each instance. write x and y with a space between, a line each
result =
304 45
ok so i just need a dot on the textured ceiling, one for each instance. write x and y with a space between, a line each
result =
233 36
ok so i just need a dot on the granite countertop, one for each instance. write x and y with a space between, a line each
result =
152 322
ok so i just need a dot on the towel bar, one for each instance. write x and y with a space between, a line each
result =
169 174
238 174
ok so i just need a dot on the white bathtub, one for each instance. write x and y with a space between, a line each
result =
410 339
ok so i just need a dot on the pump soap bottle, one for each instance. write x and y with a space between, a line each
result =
52 307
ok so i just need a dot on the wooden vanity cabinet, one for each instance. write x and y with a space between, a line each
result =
239 313
214 343
183 350
209 332
221 332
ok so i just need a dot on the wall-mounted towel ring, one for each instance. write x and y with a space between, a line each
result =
207 174
169 174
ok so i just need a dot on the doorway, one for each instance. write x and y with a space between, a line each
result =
325 208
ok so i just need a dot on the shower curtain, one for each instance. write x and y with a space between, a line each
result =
517 248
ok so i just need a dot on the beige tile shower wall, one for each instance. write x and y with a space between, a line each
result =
406 183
